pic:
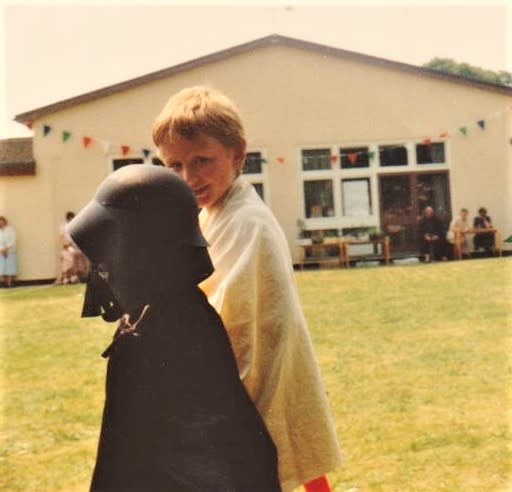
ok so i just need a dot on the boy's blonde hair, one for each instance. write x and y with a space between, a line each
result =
200 110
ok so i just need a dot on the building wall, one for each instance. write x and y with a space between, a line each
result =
289 99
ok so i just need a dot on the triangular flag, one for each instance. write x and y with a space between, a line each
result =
65 135
443 135
427 141
146 153
86 141
352 157
106 146
263 161
280 160
125 149
28 124
334 159
371 155
46 129
481 124
463 130
508 240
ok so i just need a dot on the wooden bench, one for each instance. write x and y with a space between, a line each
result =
459 240
345 249
309 253
342 246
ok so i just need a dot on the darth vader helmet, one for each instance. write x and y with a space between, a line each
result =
141 233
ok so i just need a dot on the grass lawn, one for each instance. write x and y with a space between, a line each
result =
416 361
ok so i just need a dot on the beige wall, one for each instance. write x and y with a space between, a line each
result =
289 98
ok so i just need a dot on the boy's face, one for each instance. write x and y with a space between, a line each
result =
205 164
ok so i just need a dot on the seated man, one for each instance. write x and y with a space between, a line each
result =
431 236
176 416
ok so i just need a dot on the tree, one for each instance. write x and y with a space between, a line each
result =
448 65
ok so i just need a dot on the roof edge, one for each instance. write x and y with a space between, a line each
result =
272 39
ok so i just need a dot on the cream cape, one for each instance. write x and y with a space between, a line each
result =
253 289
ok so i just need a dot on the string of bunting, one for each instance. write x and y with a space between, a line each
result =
353 156
125 149
87 141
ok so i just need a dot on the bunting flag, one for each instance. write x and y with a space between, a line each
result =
463 130
146 153
352 157
66 135
427 141
280 160
86 141
371 155
46 129
481 124
29 124
125 149
263 161
334 159
443 135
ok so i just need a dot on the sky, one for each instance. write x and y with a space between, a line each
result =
50 51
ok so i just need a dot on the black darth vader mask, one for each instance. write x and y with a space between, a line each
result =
141 234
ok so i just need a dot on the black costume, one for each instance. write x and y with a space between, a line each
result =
432 226
177 417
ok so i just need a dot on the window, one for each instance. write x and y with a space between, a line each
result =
253 163
430 153
318 198
393 155
254 171
119 163
354 157
316 159
356 197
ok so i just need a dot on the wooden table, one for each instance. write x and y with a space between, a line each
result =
459 240
345 249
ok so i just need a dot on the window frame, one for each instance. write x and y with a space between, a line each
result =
337 174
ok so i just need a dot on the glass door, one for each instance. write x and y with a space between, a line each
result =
402 200
398 211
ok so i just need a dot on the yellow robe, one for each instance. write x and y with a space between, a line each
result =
253 289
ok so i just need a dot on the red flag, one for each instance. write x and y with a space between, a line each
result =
86 141
125 149
443 135
352 157
334 158
427 141
280 160
28 124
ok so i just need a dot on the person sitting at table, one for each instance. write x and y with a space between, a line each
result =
431 236
483 240
459 225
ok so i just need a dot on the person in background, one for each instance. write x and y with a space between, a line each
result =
483 240
431 236
8 263
73 265
459 225
199 134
